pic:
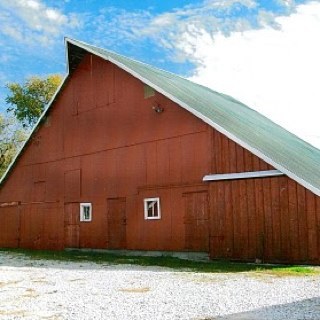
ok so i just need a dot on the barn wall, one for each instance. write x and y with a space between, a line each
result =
270 219
229 157
103 143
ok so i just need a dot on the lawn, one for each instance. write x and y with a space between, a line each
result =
213 266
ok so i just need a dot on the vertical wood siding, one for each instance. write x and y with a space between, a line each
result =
103 141
229 157
270 219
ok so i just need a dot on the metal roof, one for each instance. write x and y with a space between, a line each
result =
250 129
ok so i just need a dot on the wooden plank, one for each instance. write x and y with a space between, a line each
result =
255 163
294 225
318 224
240 159
268 218
229 237
276 219
101 82
225 154
72 185
263 165
116 217
71 225
247 160
244 219
237 249
175 160
163 162
196 221
312 227
222 222
39 191
39 172
213 150
259 209
232 156
213 220
10 227
252 219
284 218
217 151
303 224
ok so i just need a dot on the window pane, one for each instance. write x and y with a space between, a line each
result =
152 209
86 212
155 209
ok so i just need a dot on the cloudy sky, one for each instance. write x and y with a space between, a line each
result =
265 53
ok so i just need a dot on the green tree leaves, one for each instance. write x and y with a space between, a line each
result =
27 101
11 139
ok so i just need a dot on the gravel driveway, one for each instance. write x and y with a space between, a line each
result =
39 289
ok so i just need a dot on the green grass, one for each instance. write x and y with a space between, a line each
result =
219 266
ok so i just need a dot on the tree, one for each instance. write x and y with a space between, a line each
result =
27 101
11 138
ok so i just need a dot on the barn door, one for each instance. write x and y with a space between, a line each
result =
196 221
10 225
116 216
71 225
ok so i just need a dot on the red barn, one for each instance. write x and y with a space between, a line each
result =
127 156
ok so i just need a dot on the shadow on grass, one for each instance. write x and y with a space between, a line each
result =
216 266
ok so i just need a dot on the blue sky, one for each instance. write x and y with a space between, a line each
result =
264 53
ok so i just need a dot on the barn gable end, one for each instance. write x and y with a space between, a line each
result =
120 136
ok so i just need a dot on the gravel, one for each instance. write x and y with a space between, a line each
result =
54 290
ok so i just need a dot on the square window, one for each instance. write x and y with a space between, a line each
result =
85 211
152 208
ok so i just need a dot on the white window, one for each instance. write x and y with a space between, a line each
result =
152 208
85 211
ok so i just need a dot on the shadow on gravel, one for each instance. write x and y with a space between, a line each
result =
308 309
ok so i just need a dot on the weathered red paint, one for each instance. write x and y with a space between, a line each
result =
276 221
103 143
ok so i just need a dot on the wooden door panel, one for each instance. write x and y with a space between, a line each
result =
196 221
71 225
116 216
72 236
10 226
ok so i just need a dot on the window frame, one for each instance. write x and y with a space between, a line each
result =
82 215
145 203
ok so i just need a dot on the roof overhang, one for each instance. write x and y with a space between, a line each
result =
243 175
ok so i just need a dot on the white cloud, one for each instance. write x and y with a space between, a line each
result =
212 15
275 71
115 25
32 20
